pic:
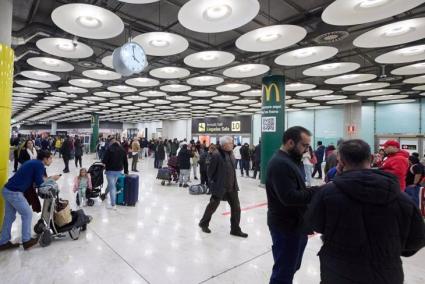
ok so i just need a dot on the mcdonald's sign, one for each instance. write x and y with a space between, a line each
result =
268 90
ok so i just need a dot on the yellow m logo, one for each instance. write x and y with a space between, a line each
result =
268 90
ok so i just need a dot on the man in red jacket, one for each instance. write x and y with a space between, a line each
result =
397 162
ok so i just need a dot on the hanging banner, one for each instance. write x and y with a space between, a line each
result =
272 119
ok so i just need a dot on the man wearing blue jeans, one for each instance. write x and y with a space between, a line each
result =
287 200
115 160
13 192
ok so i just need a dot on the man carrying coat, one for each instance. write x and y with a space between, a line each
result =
223 186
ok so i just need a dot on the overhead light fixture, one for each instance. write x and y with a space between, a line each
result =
170 70
349 76
66 46
246 68
414 50
159 43
329 66
269 37
208 56
397 31
233 85
372 3
305 52
89 22
101 72
204 78
51 62
217 12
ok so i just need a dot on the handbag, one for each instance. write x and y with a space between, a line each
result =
62 214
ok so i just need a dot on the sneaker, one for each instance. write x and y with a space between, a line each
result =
114 208
28 244
239 234
8 245
205 229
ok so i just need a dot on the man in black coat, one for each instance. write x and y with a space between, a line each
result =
78 148
288 198
66 150
367 223
245 159
257 160
320 153
223 185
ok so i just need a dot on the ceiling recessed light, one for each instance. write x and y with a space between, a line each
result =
66 46
89 22
414 50
397 30
170 70
159 43
217 12
372 3
305 52
268 37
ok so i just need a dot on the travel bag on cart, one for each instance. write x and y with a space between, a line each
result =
164 174
131 190
198 189
120 190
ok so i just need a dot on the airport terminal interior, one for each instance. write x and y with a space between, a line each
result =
144 114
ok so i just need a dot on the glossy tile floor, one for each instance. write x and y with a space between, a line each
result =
158 241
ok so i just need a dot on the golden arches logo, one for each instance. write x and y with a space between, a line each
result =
268 90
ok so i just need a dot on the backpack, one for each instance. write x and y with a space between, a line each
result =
198 189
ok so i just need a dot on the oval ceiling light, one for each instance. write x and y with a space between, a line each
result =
366 86
387 97
205 81
142 82
331 69
393 34
417 88
135 98
138 1
107 61
72 89
220 105
88 21
63 95
40 75
101 74
122 89
214 16
252 93
24 95
233 88
415 80
319 107
314 93
355 12
340 102
153 94
175 88
85 83
403 55
33 84
270 38
414 69
306 55
246 70
27 90
296 87
105 94
224 98
400 101
202 94
160 102
50 64
209 59
350 79
169 72
244 102
329 98
161 43
200 102
179 98
378 92
306 105
63 47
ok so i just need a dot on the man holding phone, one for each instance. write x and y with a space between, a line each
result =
13 192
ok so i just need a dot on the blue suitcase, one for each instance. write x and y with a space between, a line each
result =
120 190
131 190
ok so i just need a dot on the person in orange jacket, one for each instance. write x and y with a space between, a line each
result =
397 162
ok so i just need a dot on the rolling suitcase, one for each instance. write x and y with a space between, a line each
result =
120 190
131 190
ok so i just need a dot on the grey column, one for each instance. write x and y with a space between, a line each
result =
352 121
54 128
6 11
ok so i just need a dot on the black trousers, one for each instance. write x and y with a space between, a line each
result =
134 161
78 160
257 169
317 169
235 210
15 159
245 166
66 162
204 177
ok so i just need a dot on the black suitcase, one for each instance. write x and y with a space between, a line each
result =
131 190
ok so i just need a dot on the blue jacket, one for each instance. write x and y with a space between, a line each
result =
30 172
320 153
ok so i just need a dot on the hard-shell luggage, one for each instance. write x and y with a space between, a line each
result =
120 190
198 189
131 190
164 174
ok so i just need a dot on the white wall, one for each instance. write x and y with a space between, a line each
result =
256 128
179 129
151 126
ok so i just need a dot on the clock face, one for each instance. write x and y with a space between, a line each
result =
133 56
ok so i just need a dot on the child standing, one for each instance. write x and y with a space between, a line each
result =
81 183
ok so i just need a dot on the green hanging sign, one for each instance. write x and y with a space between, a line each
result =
272 119
95 132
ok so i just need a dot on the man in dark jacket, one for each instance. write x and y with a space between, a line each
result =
245 159
15 143
174 147
115 160
184 165
257 160
66 150
223 186
288 198
367 223
320 153
160 153
78 146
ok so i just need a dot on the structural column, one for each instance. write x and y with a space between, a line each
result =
352 121
6 82
95 132
272 119
54 128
